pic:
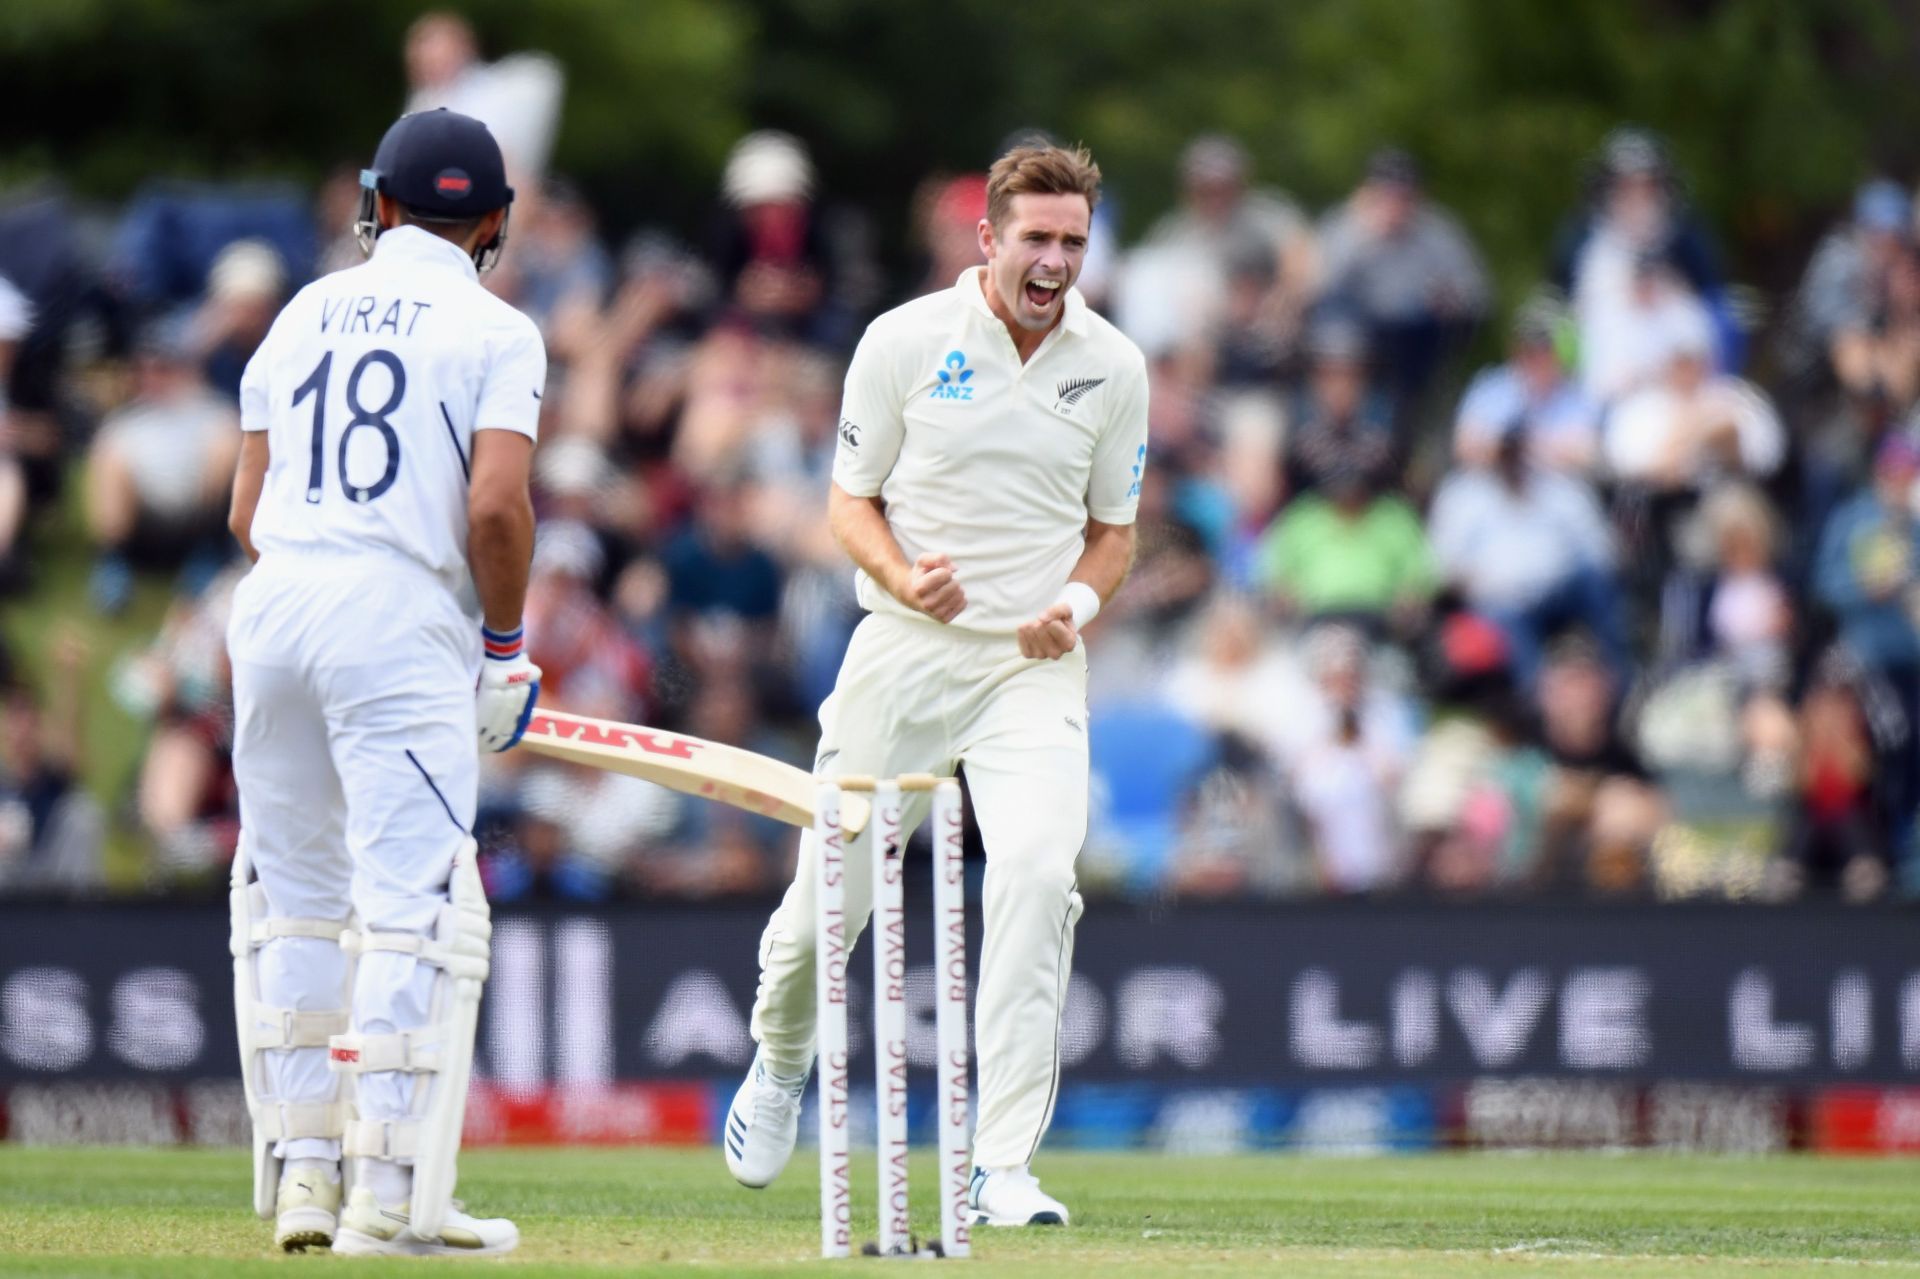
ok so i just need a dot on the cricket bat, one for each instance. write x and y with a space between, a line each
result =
690 765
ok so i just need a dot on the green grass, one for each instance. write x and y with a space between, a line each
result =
169 1212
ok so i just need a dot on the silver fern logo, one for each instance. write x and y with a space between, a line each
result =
1073 390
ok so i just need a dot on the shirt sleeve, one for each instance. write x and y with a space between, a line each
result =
256 399
1120 456
516 378
872 421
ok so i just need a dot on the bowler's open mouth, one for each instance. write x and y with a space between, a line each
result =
1044 293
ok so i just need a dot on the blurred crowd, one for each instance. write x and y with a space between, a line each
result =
1606 616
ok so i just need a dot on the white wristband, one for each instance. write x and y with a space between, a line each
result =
1082 599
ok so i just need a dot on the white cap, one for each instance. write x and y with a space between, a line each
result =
767 166
247 269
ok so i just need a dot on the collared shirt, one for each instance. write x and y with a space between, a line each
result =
370 386
995 463
1510 549
1565 423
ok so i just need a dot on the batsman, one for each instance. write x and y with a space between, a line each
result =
992 437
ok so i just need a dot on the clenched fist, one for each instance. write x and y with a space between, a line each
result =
1052 635
933 589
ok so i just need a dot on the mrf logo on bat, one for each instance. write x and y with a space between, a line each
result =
590 734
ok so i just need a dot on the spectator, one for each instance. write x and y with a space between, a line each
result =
245 288
159 472
1631 330
1839 836
1233 839
186 800
51 831
1868 575
335 209
723 595
1405 267
1876 355
1253 346
528 854
628 366
1530 549
1634 233
585 655
1749 617
517 98
1693 426
16 317
716 568
783 268
1172 572
1349 551
1340 424
1533 388
1843 290
1869 565
1234 681
1602 809
1719 712
1471 802
715 850
1346 764
557 259
579 828
48 254
1229 257
949 224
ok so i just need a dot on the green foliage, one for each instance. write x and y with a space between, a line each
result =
1776 108
119 91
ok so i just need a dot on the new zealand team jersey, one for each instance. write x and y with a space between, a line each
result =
995 463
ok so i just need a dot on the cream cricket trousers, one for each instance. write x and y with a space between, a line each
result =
914 695
358 763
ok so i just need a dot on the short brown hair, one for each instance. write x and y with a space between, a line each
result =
1040 170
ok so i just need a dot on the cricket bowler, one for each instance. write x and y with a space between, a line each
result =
992 437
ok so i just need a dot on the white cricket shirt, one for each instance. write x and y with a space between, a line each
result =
370 386
994 463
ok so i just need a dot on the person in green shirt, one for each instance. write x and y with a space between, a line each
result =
1348 551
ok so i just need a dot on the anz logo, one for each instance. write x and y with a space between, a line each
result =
954 378
1139 465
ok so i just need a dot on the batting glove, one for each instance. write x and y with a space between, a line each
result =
509 687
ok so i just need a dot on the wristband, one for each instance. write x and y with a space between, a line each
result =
504 646
1082 599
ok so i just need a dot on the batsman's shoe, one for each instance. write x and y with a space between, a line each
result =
307 1210
762 1125
368 1230
1012 1197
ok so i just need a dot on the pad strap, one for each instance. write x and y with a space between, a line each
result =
284 1120
458 960
288 1028
414 1051
381 1139
266 930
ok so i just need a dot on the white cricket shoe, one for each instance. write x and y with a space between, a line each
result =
368 1230
1012 1197
307 1209
762 1124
